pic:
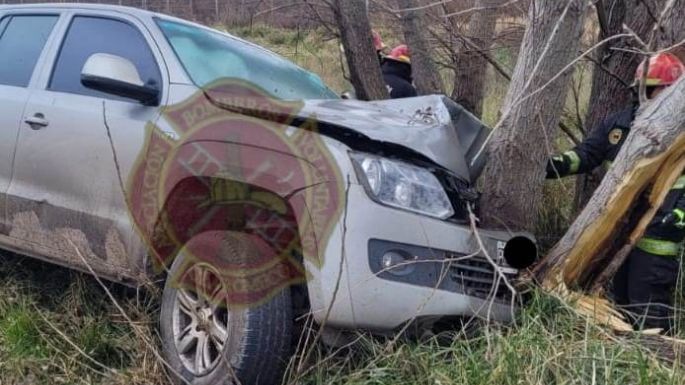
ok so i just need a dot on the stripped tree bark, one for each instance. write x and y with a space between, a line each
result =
599 240
360 54
513 179
614 72
426 76
651 159
471 66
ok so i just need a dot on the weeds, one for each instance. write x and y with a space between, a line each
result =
550 344
58 327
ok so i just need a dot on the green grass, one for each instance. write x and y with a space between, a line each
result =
45 335
20 336
58 326
548 344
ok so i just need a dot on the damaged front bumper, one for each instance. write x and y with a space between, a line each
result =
384 267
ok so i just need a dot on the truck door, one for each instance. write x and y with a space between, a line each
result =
22 40
66 193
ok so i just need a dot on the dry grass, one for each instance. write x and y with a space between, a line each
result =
58 327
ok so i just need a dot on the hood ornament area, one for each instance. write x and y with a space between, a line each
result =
426 116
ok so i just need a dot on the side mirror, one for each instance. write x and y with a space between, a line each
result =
117 76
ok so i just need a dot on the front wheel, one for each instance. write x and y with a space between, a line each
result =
208 341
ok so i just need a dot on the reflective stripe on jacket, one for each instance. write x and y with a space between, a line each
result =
666 241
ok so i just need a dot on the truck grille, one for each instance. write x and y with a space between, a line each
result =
460 194
477 277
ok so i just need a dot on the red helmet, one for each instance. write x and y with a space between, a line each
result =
377 41
400 53
664 69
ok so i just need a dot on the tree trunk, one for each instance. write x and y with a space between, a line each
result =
520 144
471 67
651 159
426 76
673 31
610 79
362 61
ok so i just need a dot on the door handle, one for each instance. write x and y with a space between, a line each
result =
37 121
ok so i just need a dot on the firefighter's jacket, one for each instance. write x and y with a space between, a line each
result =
602 146
398 79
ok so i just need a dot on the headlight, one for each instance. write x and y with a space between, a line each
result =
402 185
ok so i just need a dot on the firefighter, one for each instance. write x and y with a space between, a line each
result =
644 284
379 46
396 70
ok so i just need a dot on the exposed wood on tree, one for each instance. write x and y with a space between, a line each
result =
426 76
512 180
469 80
362 61
614 72
599 240
652 158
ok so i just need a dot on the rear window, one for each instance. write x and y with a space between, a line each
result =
22 39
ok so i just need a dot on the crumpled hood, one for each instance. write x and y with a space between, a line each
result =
433 125
426 128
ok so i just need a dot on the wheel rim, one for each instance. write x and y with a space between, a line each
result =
200 319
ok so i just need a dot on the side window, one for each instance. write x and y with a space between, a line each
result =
22 39
91 35
3 24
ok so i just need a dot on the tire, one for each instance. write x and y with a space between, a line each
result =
257 339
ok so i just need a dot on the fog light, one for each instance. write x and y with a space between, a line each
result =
397 263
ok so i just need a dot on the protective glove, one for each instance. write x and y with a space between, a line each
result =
675 218
557 164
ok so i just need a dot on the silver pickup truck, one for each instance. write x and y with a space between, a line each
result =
146 149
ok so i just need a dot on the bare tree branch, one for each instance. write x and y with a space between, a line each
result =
475 9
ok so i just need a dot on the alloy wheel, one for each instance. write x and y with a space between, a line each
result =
200 319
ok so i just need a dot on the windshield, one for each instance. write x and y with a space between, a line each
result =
209 56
